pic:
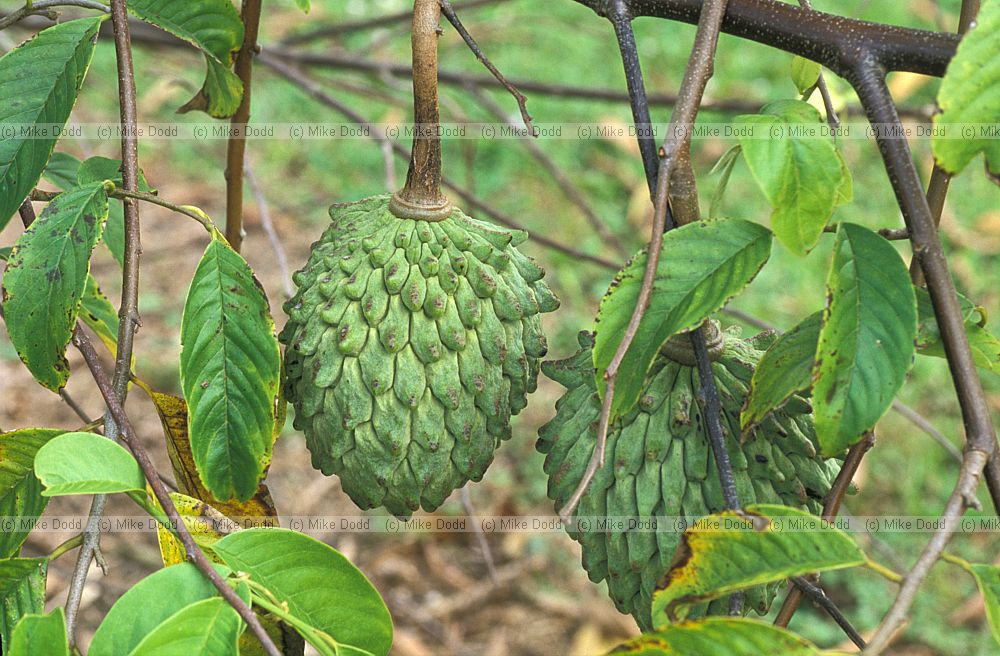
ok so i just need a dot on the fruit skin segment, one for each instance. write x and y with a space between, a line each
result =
408 347
659 463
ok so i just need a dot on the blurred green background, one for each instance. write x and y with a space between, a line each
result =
562 42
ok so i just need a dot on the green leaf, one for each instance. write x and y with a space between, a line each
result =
725 167
148 604
317 583
20 490
215 28
866 345
45 278
722 636
792 157
985 346
39 82
702 266
988 579
209 627
970 95
85 463
100 315
114 231
230 369
785 369
22 591
65 172
99 169
61 170
805 73
733 550
40 634
928 333
303 5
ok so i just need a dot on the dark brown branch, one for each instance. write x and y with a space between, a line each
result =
637 96
836 42
236 148
310 86
131 439
522 102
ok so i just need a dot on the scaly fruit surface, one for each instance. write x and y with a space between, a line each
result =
659 463
408 347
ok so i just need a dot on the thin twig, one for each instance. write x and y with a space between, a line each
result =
44 7
370 23
891 234
937 188
309 85
272 235
522 101
484 544
818 595
74 406
128 313
927 427
961 498
831 507
562 180
237 145
191 549
189 211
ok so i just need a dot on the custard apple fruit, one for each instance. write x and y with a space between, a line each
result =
659 462
409 345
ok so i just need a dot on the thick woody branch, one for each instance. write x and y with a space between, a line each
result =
836 42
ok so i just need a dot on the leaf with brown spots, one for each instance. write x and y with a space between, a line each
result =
733 550
866 344
45 279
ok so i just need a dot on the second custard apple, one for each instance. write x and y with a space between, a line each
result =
409 345
659 463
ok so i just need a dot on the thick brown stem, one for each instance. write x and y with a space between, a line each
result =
421 197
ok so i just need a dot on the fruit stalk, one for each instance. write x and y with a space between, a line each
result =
421 197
